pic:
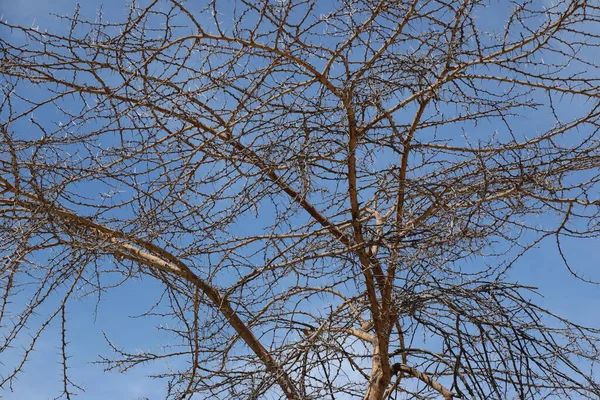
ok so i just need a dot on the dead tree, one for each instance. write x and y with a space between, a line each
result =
335 197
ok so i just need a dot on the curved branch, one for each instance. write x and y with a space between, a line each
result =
141 252
426 379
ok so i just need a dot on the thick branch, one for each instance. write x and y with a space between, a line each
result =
170 264
423 377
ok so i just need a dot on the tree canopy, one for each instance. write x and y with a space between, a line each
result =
334 196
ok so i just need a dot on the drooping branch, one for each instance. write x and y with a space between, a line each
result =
154 257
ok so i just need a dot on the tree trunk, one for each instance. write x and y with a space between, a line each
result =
380 374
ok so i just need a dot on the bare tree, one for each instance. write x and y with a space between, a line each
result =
333 194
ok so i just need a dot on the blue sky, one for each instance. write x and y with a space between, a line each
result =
114 317
540 267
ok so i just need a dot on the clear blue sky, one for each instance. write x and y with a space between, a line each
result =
42 376
541 267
